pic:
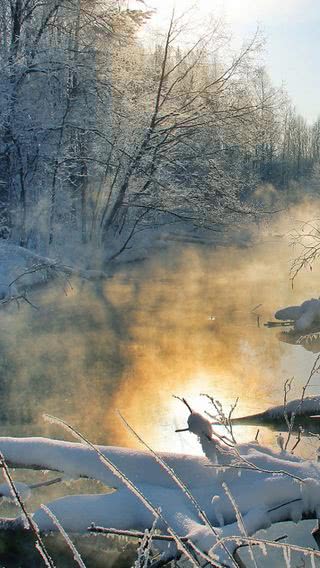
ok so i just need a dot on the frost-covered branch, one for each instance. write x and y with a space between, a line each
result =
195 513
29 522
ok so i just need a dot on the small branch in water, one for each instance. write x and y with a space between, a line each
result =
258 316
255 308
46 483
279 324
300 432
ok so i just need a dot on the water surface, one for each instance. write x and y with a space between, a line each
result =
186 322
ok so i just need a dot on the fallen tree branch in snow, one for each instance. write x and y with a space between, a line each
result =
132 534
274 487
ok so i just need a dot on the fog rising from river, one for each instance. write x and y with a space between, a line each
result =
182 323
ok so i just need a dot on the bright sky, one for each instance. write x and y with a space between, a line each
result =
292 30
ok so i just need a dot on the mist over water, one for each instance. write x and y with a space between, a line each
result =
181 323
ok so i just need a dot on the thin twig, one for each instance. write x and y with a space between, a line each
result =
76 554
30 522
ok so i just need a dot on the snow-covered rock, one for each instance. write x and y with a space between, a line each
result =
302 316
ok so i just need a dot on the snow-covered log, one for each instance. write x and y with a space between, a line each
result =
307 408
267 487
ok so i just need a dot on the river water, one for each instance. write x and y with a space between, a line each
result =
186 322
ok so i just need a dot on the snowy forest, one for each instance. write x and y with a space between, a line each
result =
103 135
159 338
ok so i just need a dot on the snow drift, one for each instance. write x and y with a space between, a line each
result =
267 487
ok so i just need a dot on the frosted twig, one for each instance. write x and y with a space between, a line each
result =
239 517
144 549
235 554
159 537
272 543
222 418
184 402
40 546
76 554
251 466
132 534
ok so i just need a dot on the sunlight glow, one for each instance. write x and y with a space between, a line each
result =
235 11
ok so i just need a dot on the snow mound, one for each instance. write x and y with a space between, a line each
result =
303 316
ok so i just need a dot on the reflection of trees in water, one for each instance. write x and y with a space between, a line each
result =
66 357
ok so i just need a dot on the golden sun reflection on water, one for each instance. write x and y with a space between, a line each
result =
182 324
195 331
153 411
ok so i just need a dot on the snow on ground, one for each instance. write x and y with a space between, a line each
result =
21 268
267 487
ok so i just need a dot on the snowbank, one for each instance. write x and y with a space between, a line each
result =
302 316
21 268
267 487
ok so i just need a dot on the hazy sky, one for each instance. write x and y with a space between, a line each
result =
292 30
